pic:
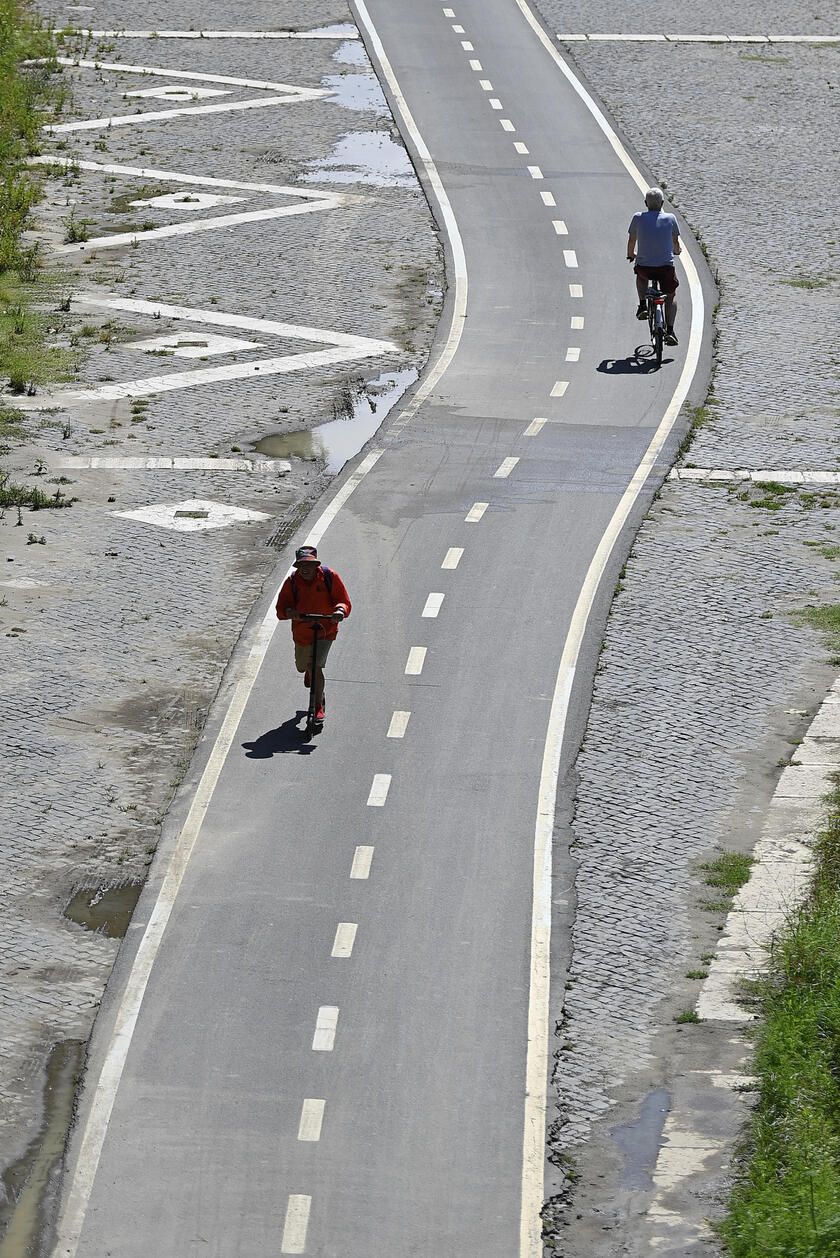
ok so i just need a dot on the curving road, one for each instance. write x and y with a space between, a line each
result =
342 1011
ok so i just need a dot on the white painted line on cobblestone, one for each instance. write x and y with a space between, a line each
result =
399 724
296 1224
362 858
311 1119
505 468
475 512
345 937
537 1063
195 76
178 176
416 660
104 1090
432 606
326 1024
195 515
428 170
155 463
699 39
786 476
379 790
534 428
346 347
452 558
348 33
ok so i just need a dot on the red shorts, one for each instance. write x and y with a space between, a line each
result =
666 275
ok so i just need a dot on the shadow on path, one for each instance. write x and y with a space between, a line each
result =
281 741
639 363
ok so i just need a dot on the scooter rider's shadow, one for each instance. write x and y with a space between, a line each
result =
287 738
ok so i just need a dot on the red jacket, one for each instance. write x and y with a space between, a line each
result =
313 597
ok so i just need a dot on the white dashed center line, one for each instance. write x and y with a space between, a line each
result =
560 227
467 46
576 323
297 1221
345 937
448 12
398 726
459 30
575 290
495 103
311 1119
520 147
548 198
379 790
476 65
362 859
534 428
433 606
452 557
475 512
506 124
505 468
535 172
573 354
560 388
570 257
324 1038
486 85
416 660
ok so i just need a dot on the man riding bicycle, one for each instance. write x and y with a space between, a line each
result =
653 240
313 590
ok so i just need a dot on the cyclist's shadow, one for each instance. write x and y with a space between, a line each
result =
285 739
640 363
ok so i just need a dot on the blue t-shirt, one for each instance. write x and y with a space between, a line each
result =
655 231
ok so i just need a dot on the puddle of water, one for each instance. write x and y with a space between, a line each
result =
340 439
105 909
639 1141
364 157
353 53
357 91
31 1184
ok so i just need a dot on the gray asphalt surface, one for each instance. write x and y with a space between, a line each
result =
420 1151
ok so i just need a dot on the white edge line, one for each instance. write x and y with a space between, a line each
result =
536 1069
459 262
78 1195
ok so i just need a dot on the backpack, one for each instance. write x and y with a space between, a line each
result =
328 581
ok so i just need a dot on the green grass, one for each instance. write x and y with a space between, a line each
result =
825 619
786 1201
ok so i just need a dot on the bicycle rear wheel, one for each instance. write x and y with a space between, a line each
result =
658 338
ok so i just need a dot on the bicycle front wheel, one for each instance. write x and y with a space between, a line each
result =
658 338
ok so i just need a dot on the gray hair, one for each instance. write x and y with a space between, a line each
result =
654 198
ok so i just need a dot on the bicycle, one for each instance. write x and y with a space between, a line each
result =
655 299
313 725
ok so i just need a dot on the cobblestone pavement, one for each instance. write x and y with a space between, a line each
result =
115 633
705 680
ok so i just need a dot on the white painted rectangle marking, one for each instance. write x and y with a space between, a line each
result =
452 557
560 388
476 65
505 468
506 124
448 12
362 858
324 1038
495 103
486 85
521 148
475 512
398 726
379 790
570 257
345 937
416 660
311 1119
459 30
575 290
467 46
297 1221
534 428
548 198
576 323
573 354
560 227
433 606
535 172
